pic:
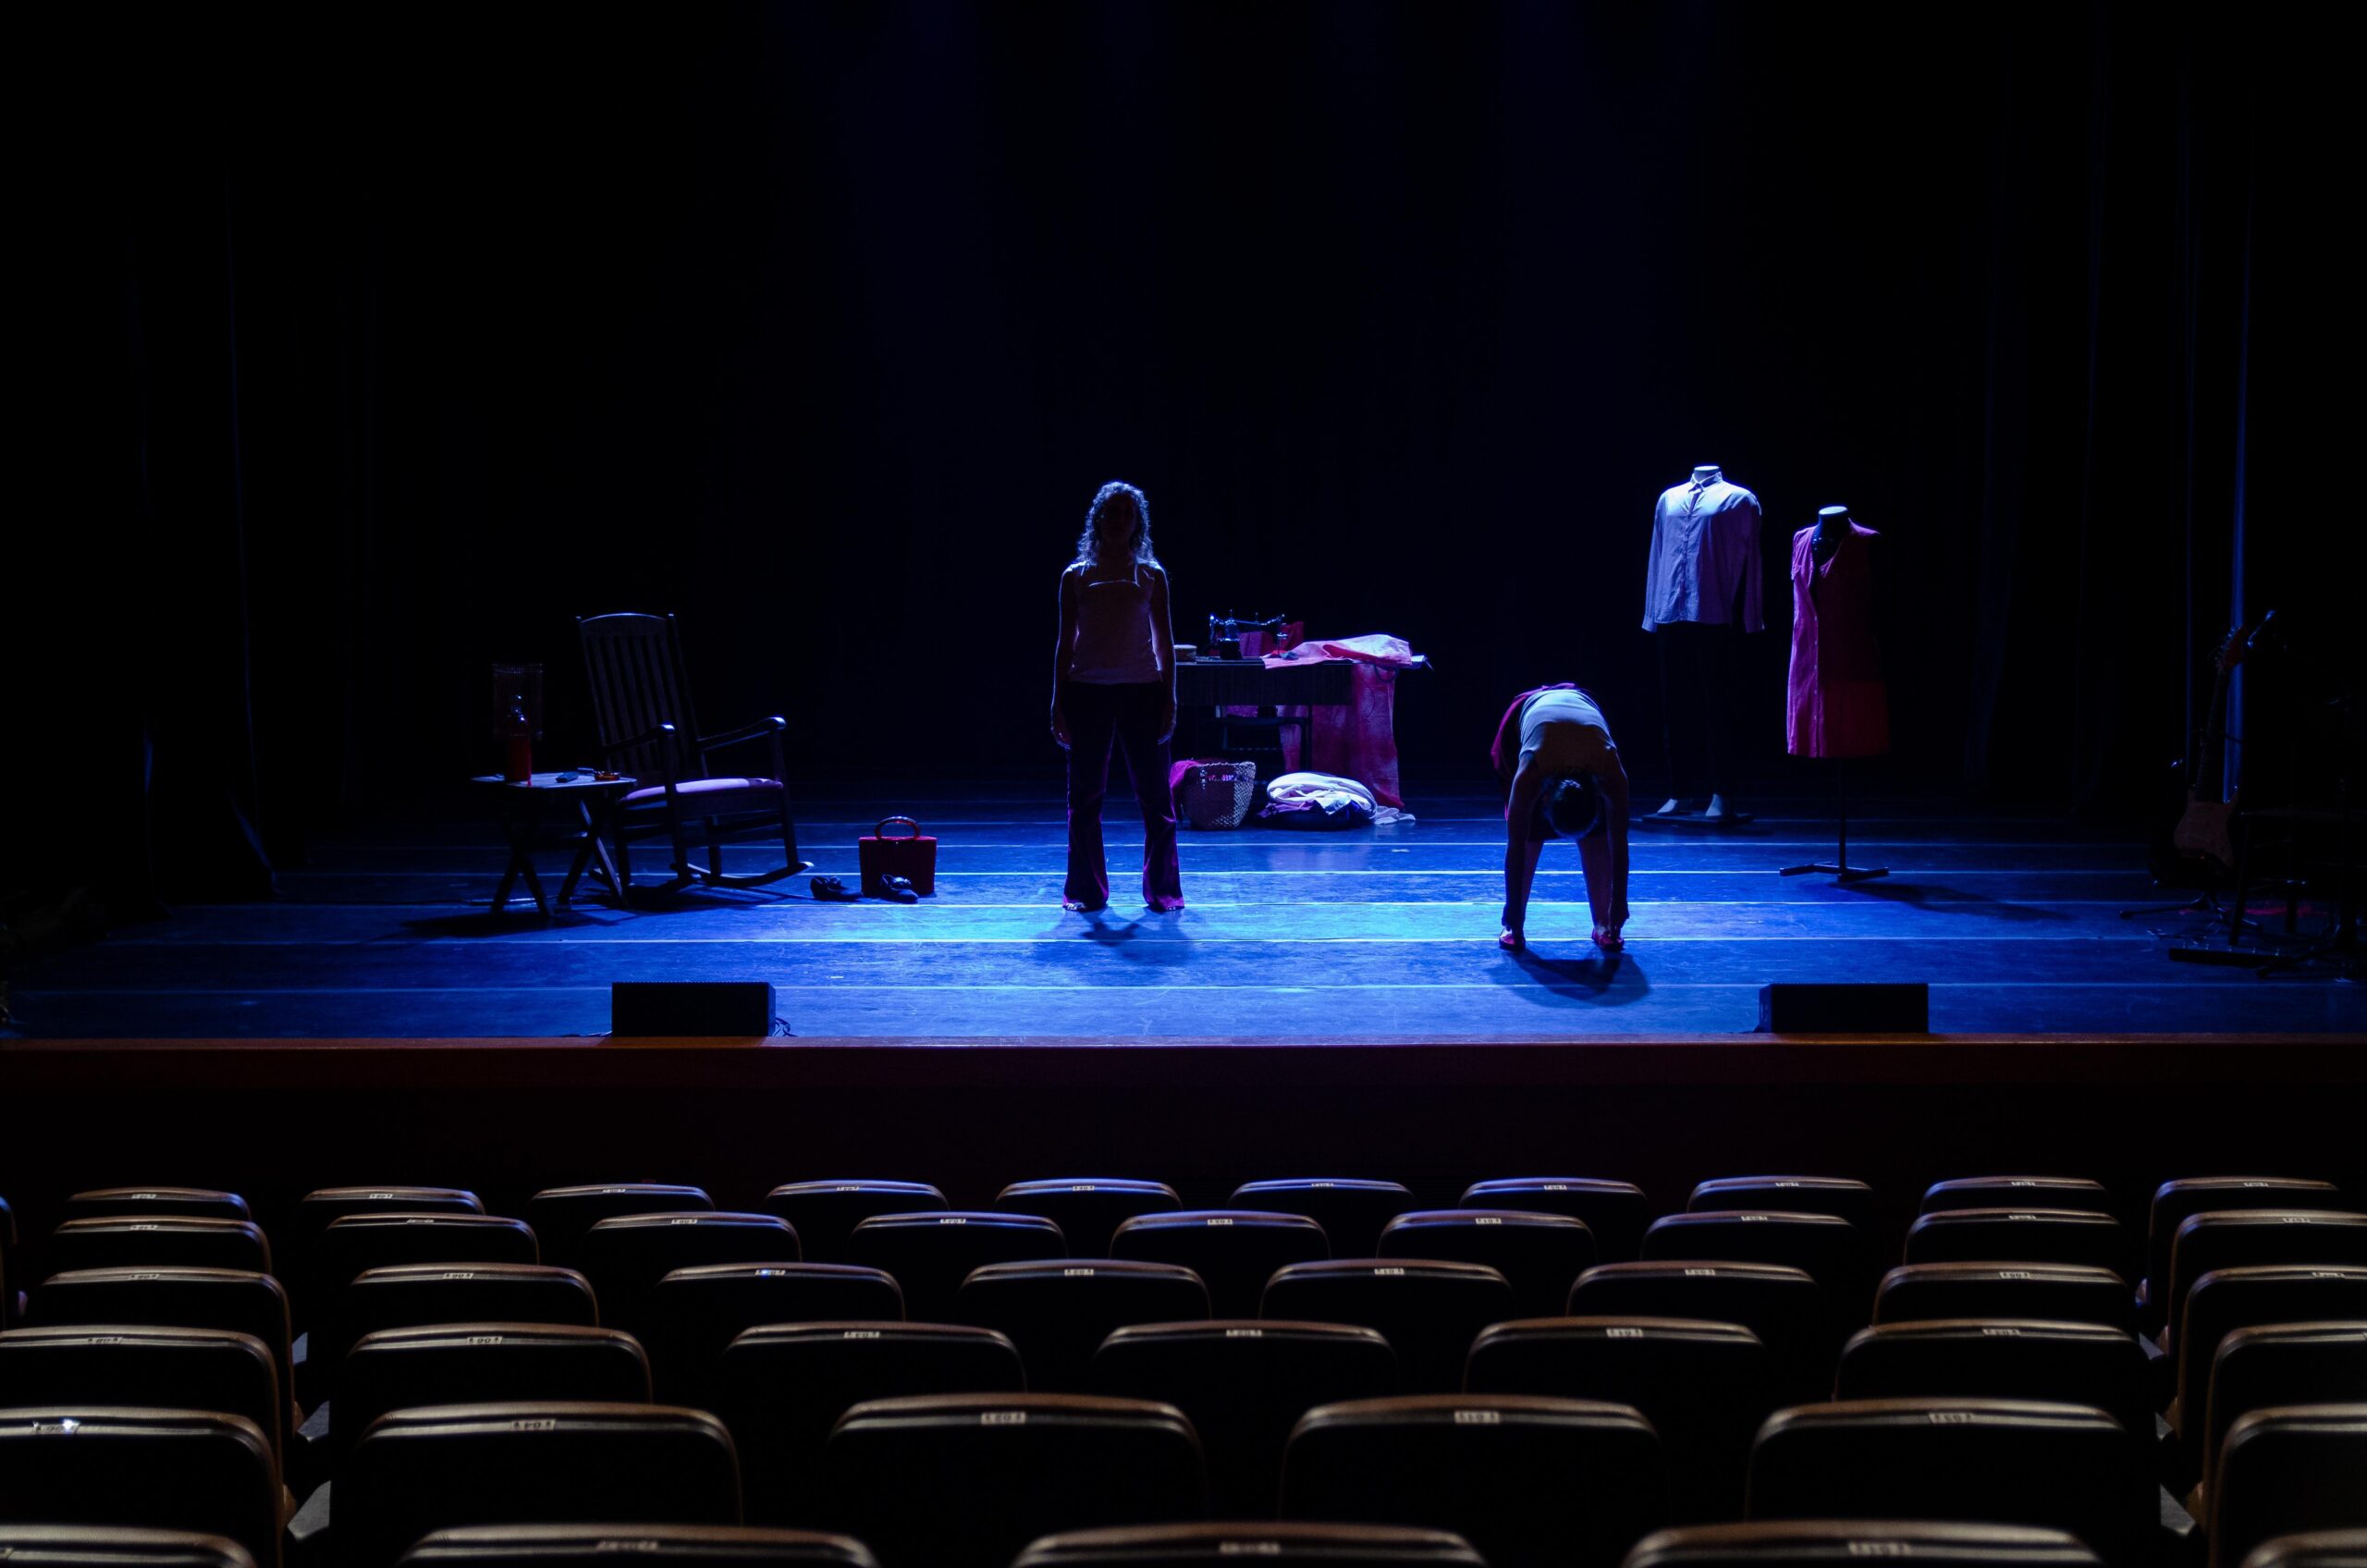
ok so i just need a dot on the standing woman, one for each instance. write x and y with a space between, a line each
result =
1114 677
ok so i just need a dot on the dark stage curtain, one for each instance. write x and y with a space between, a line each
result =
379 351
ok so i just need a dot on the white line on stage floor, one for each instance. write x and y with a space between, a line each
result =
2250 987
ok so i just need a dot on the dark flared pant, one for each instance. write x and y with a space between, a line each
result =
1130 715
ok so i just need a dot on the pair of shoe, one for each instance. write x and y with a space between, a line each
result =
831 890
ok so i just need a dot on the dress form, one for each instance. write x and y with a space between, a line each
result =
1835 706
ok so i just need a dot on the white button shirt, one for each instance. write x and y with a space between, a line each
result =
1705 545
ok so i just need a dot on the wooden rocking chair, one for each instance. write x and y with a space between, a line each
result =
640 701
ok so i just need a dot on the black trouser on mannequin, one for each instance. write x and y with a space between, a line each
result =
1697 704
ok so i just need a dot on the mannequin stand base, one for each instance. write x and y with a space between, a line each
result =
1697 819
2204 904
1843 874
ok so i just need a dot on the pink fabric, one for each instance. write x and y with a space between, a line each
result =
1358 739
1836 705
704 787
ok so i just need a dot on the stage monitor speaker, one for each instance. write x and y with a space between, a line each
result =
690 1008
1885 1009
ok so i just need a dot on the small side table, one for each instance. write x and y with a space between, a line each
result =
523 805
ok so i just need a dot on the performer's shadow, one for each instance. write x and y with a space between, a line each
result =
1146 939
1596 980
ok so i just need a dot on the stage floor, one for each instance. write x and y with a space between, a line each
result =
1380 935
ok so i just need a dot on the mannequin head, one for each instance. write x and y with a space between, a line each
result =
1706 473
1832 520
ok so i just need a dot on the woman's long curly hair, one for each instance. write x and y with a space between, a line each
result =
1112 504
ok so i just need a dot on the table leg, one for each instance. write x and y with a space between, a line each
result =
521 835
594 845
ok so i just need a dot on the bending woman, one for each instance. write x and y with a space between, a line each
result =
1555 751
1114 677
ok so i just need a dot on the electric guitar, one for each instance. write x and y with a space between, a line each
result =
2203 837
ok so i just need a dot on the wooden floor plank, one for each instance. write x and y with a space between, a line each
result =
1367 935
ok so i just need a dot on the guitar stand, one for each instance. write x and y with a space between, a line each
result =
1839 868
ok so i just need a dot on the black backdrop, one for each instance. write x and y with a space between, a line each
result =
381 342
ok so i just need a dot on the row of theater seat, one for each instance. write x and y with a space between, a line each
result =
1783 1544
413 1297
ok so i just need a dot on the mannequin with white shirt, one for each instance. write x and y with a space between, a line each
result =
1702 592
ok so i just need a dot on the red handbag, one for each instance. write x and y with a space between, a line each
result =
911 854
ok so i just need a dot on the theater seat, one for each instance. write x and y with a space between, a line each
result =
694 1313
562 1216
2017 1192
967 1480
1615 1211
1830 1250
199 1202
1243 1385
1705 1388
1088 1209
117 1546
2285 1470
626 1257
1234 1251
2275 1363
1820 1543
482 1363
782 1388
931 1252
2019 1235
2175 1202
1541 1255
168 1241
1225 1546
1428 1311
317 1209
2002 1358
2253 1238
236 1300
1837 1195
354 1245
2055 1292
1351 1210
602 1546
193 1470
146 1366
1531 1483
1059 1313
1981 1461
824 1214
1783 1307
2311 1548
2227 1299
9 1267
416 1295
434 1467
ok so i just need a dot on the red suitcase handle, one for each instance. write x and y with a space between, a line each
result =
881 831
